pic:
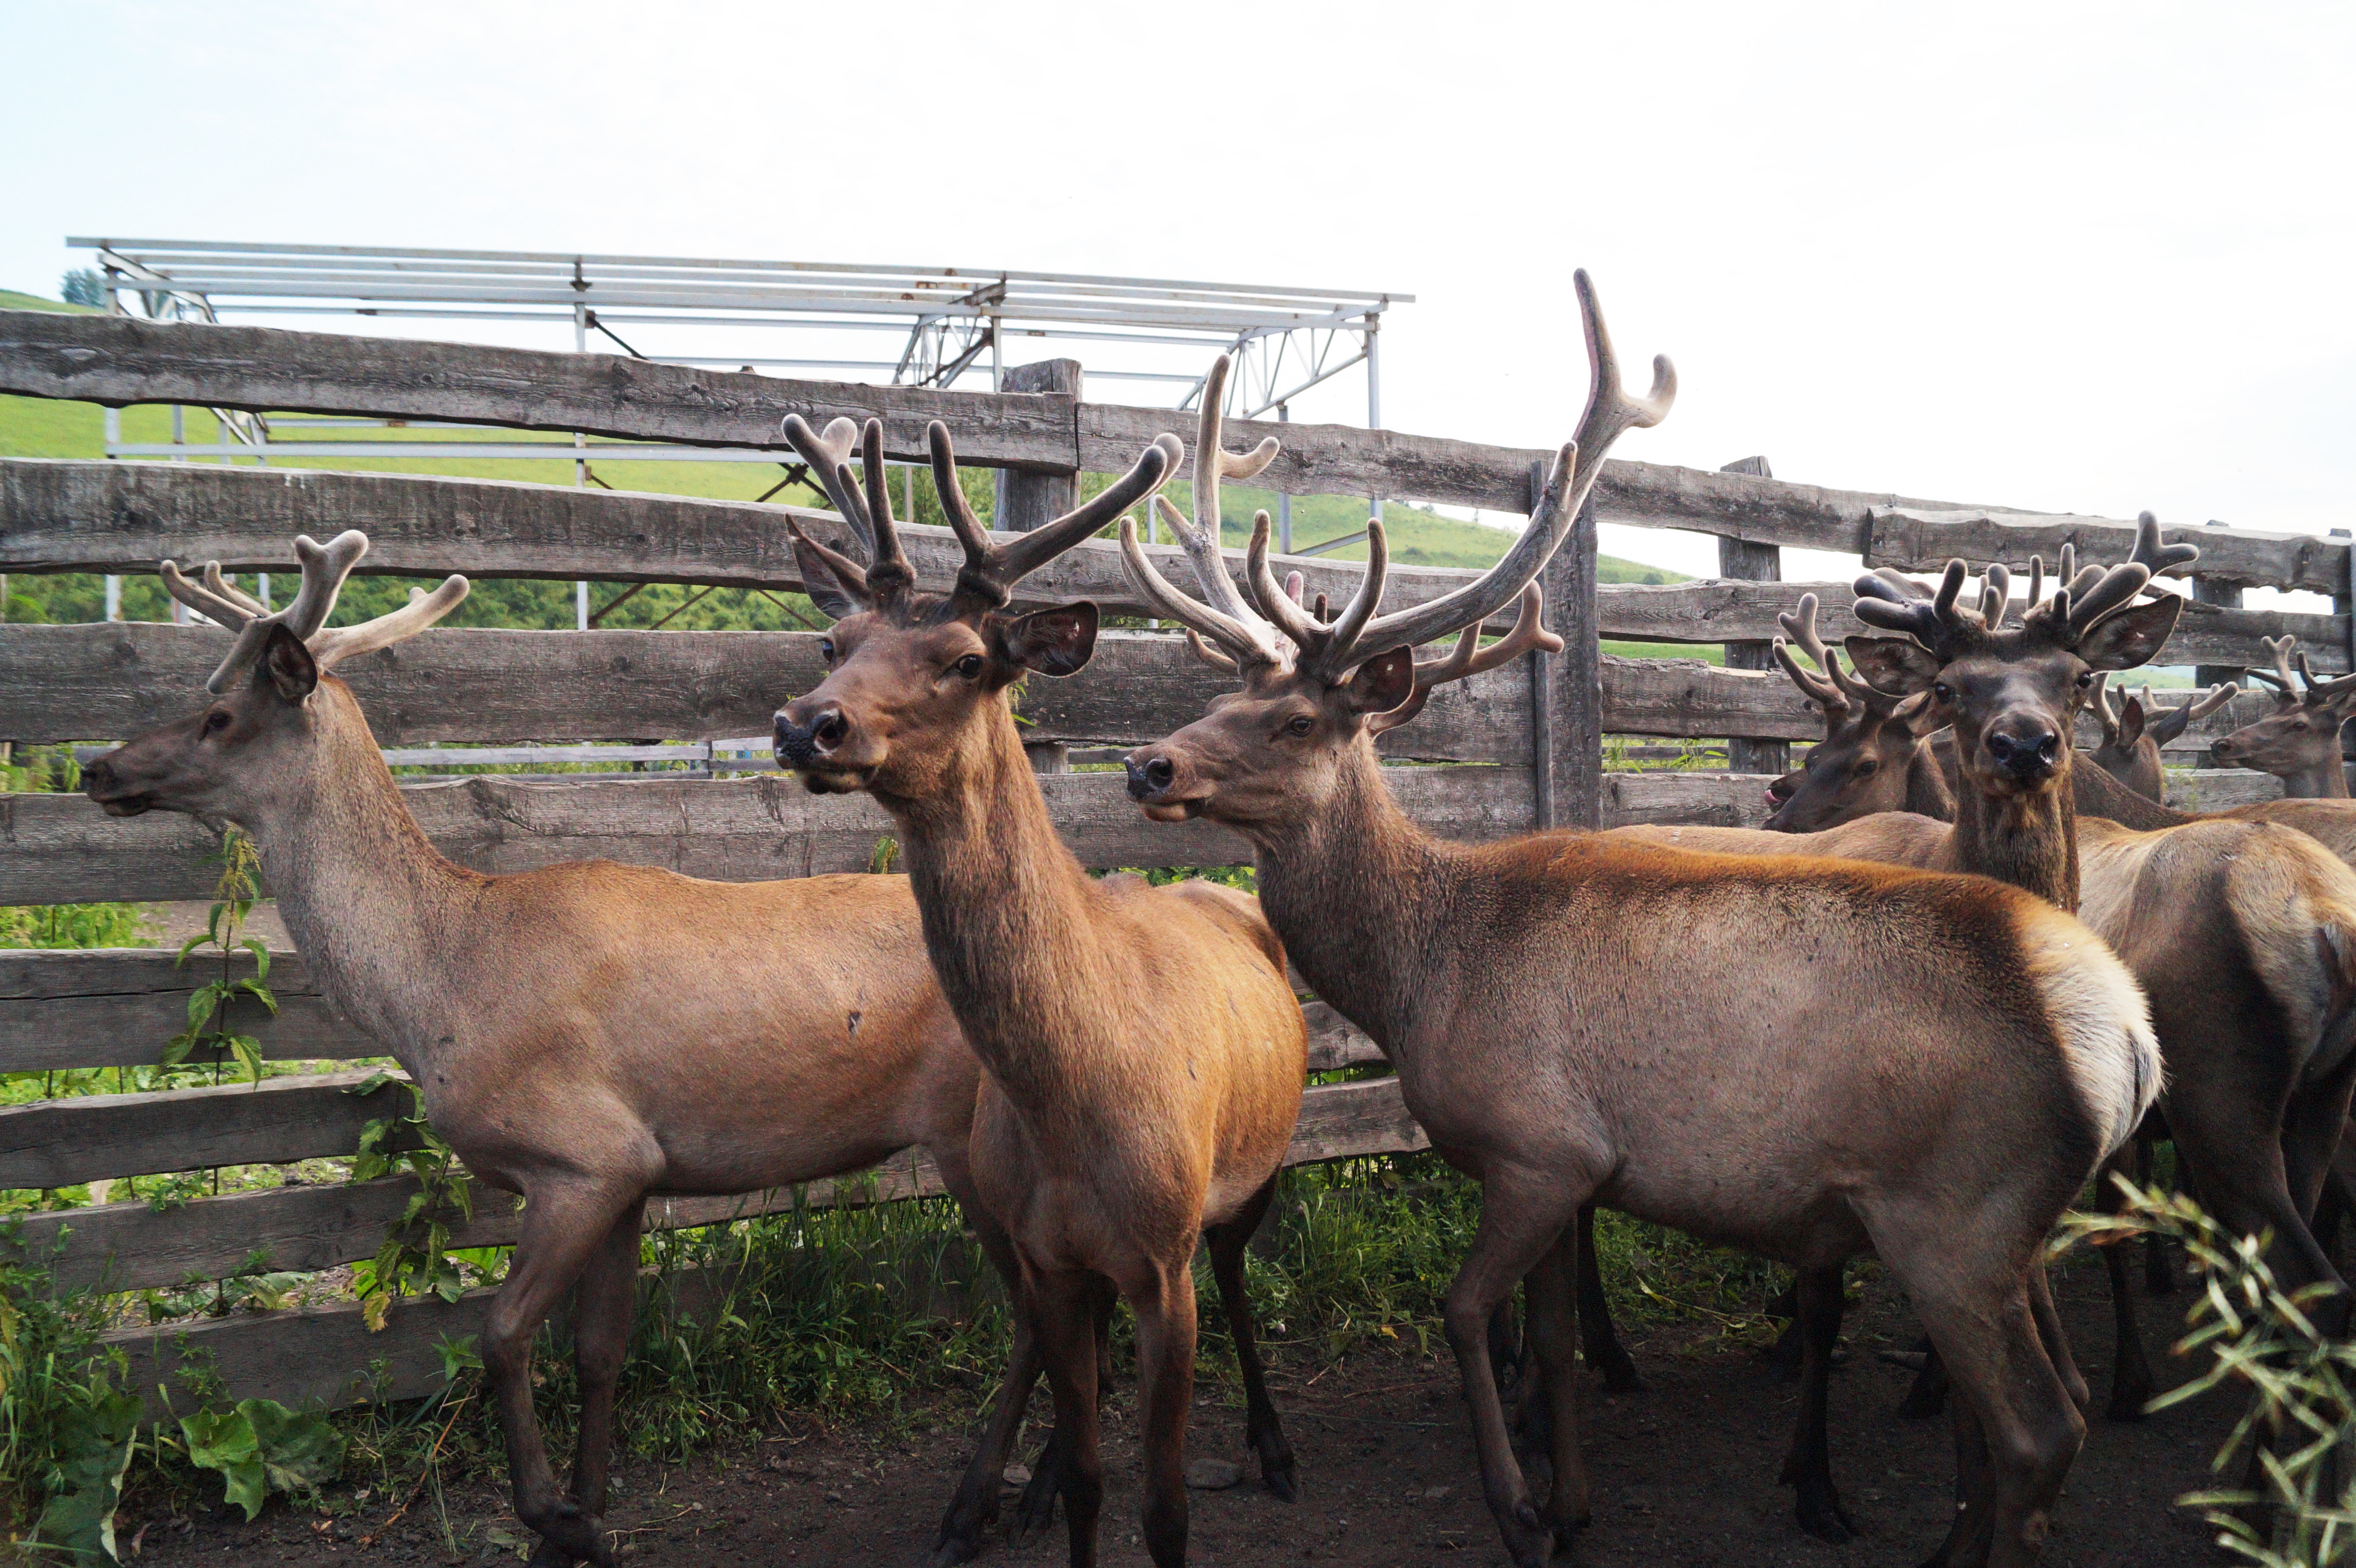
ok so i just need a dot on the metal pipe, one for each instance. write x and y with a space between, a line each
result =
1375 387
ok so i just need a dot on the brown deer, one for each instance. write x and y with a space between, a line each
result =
2134 732
1144 1051
1575 1020
544 1016
2242 932
2298 742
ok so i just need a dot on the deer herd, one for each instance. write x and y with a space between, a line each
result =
1961 974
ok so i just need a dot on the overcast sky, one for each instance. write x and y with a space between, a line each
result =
2071 258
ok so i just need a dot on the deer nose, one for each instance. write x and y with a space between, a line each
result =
1149 774
804 738
98 776
2028 754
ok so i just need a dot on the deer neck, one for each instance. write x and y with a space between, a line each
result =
2096 794
2028 840
380 917
1358 894
1010 919
1927 794
2325 779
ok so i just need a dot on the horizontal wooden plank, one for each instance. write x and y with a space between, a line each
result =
109 680
1687 697
63 1143
1923 539
120 360
61 848
1728 611
1662 797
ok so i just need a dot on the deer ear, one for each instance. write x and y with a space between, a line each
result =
825 589
1053 641
288 666
1382 684
1894 667
2131 637
2131 721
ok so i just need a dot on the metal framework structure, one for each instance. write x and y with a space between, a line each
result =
947 324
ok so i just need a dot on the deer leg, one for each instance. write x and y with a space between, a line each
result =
1599 1336
603 1305
2131 1378
2159 1271
1262 1429
1927 1395
1035 1510
562 1228
1807 1468
1553 1289
974 1508
2025 1425
1164 1303
1522 1214
1063 1312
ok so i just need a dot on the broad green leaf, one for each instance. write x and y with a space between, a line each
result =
371 1083
260 993
260 951
225 1441
190 946
248 1051
300 1450
458 1355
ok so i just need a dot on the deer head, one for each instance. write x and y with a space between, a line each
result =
907 673
1860 766
260 736
2134 732
2302 734
1314 689
2011 692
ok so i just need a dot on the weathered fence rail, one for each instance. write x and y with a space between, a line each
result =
1520 745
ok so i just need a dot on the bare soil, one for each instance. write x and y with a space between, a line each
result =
1684 1473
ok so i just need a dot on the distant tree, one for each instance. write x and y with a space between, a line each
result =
84 285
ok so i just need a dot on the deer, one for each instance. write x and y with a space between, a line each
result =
2136 731
542 1017
2298 742
1143 1052
1575 1020
2242 931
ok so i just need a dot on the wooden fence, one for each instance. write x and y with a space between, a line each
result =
1509 749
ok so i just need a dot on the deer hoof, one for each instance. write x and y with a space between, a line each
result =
1824 1518
1281 1478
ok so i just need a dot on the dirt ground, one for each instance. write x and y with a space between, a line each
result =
1684 1473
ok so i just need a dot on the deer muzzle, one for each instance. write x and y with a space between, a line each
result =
115 796
808 737
1160 782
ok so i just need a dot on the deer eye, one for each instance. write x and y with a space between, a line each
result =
969 667
1942 692
1868 768
2085 679
215 722
1299 724
826 649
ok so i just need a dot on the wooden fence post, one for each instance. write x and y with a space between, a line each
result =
1026 501
1567 689
2344 604
1752 563
2222 591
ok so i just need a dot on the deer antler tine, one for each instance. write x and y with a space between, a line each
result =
1247 640
2107 593
1996 594
847 571
220 587
890 571
829 456
331 647
228 613
2151 554
1209 654
1469 657
1306 632
2217 697
1024 554
1361 607
2035 583
2103 716
1802 628
1294 582
1610 410
953 506
1834 699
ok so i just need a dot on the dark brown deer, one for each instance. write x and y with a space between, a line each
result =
2298 742
544 1015
1143 1050
1576 1020
1870 760
2136 731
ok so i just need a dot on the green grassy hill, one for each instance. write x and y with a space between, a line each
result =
32 427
